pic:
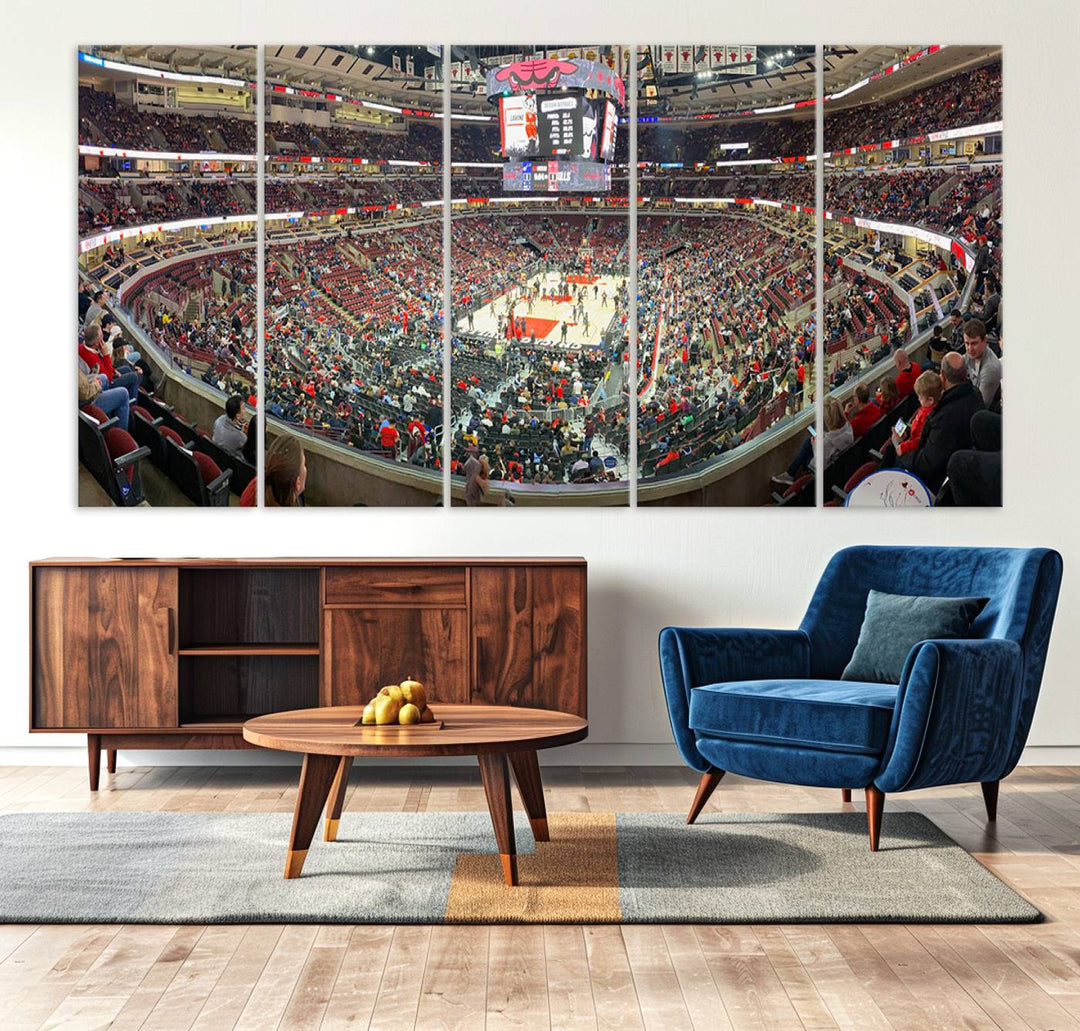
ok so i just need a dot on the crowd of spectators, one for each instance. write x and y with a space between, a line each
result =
118 202
408 141
105 121
354 341
203 313
716 298
967 98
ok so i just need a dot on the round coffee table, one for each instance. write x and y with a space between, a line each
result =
498 735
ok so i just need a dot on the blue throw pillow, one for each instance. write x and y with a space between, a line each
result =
895 623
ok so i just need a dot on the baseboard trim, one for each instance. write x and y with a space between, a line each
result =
587 753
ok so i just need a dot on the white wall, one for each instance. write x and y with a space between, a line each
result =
647 567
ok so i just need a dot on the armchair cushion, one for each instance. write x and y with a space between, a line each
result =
691 656
830 715
895 623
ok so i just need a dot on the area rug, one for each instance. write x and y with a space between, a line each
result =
209 868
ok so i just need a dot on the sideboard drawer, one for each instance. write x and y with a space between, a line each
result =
395 585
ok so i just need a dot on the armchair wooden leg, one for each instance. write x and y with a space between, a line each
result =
845 794
990 797
706 786
875 803
110 759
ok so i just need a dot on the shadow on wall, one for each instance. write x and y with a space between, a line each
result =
626 697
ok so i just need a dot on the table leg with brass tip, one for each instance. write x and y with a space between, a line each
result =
315 780
526 769
495 773
336 801
294 863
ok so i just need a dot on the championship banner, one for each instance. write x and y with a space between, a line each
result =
684 58
748 57
410 64
455 71
668 57
396 60
702 61
718 56
534 75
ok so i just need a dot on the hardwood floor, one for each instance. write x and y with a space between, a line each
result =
560 977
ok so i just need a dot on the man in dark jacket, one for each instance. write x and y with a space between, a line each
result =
948 427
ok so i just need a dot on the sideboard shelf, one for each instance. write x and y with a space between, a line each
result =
210 650
178 653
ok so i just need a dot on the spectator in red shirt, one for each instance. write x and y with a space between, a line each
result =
928 390
388 436
907 372
862 413
101 365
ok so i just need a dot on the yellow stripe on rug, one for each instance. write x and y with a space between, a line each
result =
573 878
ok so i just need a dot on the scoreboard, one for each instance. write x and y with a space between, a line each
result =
567 176
557 124
560 122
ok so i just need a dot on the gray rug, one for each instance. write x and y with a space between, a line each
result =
207 868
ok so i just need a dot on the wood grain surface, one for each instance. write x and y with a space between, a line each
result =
582 977
370 648
395 585
104 648
466 730
502 612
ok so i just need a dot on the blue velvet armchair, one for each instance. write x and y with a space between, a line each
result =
771 704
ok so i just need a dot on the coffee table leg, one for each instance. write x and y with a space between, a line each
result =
496 778
315 779
337 798
527 774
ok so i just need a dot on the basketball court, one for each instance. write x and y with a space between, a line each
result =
545 316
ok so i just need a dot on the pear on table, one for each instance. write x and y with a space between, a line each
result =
403 704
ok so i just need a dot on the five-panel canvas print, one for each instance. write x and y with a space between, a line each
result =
623 274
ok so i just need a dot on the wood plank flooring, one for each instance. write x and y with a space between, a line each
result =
708 978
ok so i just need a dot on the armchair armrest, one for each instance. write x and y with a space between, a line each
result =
693 656
955 716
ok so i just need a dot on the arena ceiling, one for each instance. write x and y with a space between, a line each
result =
793 80
366 70
234 62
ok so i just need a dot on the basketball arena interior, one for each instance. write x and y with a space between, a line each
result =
702 379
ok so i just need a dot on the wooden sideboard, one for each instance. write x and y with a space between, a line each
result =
178 653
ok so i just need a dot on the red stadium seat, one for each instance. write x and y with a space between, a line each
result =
112 457
195 473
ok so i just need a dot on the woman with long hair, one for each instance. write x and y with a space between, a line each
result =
285 475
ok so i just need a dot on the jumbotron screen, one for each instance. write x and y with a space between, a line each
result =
571 134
